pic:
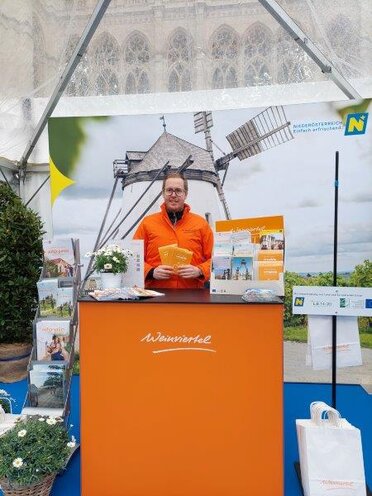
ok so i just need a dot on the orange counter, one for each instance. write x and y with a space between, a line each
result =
181 396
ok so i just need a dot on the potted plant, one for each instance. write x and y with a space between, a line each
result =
112 262
21 254
31 455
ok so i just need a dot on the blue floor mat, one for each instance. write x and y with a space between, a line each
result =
352 401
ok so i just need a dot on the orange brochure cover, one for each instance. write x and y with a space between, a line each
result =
164 253
254 225
270 255
269 271
175 256
180 256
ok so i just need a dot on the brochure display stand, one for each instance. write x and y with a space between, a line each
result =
191 407
55 328
248 253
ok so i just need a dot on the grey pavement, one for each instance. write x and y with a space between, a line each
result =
296 370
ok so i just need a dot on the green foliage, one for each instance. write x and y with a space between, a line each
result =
76 365
297 334
20 262
362 275
292 279
67 137
50 269
326 279
34 448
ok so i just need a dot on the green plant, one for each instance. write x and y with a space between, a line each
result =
34 448
111 258
20 264
292 279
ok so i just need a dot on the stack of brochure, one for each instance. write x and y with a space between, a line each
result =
174 256
123 294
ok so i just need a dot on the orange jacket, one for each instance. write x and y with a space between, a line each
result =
191 232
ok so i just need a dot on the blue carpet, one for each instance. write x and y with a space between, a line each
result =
352 401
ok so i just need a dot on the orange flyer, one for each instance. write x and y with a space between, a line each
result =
269 271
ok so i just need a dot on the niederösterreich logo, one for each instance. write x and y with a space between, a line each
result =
356 123
183 342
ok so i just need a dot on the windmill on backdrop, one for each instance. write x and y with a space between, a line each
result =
141 172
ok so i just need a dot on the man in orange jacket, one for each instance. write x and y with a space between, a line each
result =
175 224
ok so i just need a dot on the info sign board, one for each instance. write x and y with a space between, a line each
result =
332 300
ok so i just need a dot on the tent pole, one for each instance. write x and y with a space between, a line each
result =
309 47
80 48
334 317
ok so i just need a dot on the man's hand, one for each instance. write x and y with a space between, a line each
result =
189 272
162 272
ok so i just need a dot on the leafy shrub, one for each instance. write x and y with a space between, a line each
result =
20 262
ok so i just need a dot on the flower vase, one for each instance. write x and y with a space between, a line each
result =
110 280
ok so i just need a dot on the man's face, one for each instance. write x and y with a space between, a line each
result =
174 194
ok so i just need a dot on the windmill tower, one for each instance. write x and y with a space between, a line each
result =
142 172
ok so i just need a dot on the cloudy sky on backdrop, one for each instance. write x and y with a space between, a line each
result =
295 180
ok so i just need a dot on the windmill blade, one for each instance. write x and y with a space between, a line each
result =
202 121
268 129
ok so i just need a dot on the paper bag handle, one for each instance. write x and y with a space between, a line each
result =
320 410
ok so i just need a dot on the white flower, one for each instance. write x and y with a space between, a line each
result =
107 266
41 419
71 444
17 463
51 421
115 259
3 393
22 433
89 254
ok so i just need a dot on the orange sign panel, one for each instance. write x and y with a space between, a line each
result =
181 399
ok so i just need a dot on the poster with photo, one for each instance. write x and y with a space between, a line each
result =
293 179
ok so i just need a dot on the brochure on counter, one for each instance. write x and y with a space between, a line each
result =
134 293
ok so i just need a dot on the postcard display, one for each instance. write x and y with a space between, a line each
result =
55 328
248 253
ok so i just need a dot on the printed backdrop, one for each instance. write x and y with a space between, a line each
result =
295 179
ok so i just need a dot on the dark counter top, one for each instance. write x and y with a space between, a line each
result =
184 296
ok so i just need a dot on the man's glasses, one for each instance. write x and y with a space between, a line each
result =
171 191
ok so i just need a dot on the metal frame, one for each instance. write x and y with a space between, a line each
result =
309 47
87 35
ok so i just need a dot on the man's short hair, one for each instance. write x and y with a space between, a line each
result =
176 175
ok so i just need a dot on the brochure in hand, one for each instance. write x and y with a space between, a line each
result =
175 256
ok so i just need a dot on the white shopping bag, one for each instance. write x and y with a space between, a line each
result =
331 457
349 353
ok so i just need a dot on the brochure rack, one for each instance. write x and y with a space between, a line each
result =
248 253
54 337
